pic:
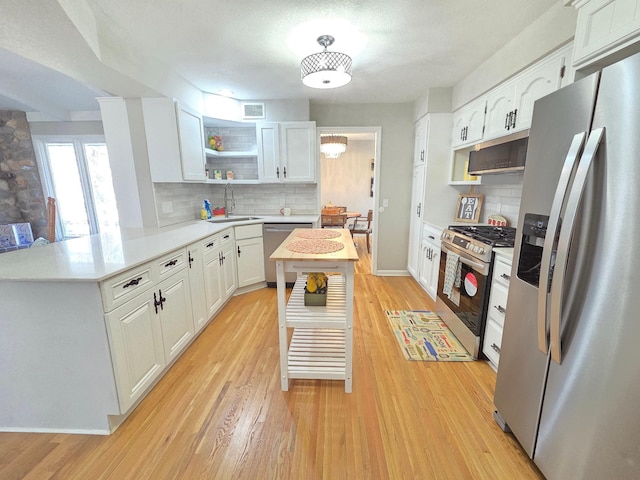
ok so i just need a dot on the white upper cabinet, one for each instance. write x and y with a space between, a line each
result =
191 137
175 141
468 123
500 110
286 152
604 27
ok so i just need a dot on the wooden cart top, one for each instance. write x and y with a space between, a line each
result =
347 253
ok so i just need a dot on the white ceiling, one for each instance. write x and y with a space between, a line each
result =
250 48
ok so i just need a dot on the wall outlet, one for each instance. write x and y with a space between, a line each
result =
167 207
385 202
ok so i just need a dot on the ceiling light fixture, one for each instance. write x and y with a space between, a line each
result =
333 145
326 69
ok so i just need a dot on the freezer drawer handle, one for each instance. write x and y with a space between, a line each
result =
552 233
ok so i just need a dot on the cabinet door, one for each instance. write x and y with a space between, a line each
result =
250 261
197 285
432 285
229 274
191 137
163 147
212 282
415 223
176 316
420 147
425 265
499 106
468 123
135 338
543 79
268 137
298 150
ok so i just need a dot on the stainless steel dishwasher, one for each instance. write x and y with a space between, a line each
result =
274 234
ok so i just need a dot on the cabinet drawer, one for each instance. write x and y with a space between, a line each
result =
210 244
498 302
492 342
248 231
119 289
172 263
226 237
502 272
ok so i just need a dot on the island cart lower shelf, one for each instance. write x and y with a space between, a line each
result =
321 345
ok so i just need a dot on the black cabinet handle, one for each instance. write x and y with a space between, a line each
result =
132 283
209 245
226 237
162 300
190 258
156 302
506 121
506 277
278 172
496 348
238 251
220 258
284 170
171 263
513 119
501 309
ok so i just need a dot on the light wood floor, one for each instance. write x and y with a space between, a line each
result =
219 412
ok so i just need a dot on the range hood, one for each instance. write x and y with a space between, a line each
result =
503 155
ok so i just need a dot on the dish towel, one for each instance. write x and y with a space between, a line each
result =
452 273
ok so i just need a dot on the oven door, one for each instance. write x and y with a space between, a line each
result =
468 299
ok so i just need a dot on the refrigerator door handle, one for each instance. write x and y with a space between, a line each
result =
566 232
552 233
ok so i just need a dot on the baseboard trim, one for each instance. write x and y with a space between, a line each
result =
392 273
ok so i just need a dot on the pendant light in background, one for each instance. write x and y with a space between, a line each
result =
333 145
326 69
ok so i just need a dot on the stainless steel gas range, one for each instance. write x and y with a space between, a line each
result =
466 263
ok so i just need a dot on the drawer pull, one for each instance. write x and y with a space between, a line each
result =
226 237
171 263
496 348
506 277
209 245
500 308
132 283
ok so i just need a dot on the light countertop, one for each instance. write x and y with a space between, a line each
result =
505 252
348 253
98 257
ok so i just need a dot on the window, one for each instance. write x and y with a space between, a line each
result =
77 174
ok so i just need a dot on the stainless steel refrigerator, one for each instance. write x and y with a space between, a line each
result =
568 384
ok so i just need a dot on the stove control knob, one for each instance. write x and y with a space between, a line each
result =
481 251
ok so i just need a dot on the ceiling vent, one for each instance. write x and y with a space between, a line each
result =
253 111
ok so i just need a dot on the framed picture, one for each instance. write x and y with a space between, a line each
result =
469 206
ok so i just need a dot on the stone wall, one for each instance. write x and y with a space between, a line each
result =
21 196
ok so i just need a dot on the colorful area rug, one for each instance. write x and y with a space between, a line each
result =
422 335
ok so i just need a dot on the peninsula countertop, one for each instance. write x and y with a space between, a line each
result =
346 254
98 257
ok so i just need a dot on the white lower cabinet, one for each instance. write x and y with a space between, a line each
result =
137 353
249 254
497 306
229 271
149 331
429 264
196 283
212 266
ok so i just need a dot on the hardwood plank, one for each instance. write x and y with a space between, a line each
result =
219 412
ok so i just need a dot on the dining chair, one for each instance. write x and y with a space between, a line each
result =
334 221
362 226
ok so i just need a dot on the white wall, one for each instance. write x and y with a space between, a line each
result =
347 180
396 167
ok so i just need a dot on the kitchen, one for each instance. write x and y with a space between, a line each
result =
394 124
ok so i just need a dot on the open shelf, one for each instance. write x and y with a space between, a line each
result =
230 154
333 315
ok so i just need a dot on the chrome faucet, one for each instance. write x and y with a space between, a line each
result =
227 208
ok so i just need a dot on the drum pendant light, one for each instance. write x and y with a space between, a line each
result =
333 145
326 69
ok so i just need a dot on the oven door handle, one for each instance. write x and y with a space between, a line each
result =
465 258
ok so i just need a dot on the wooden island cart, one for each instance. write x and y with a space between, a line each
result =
321 346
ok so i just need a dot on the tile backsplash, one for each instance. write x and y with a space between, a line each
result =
501 196
181 202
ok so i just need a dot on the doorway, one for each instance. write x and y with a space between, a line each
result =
351 180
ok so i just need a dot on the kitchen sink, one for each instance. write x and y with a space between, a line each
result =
232 219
